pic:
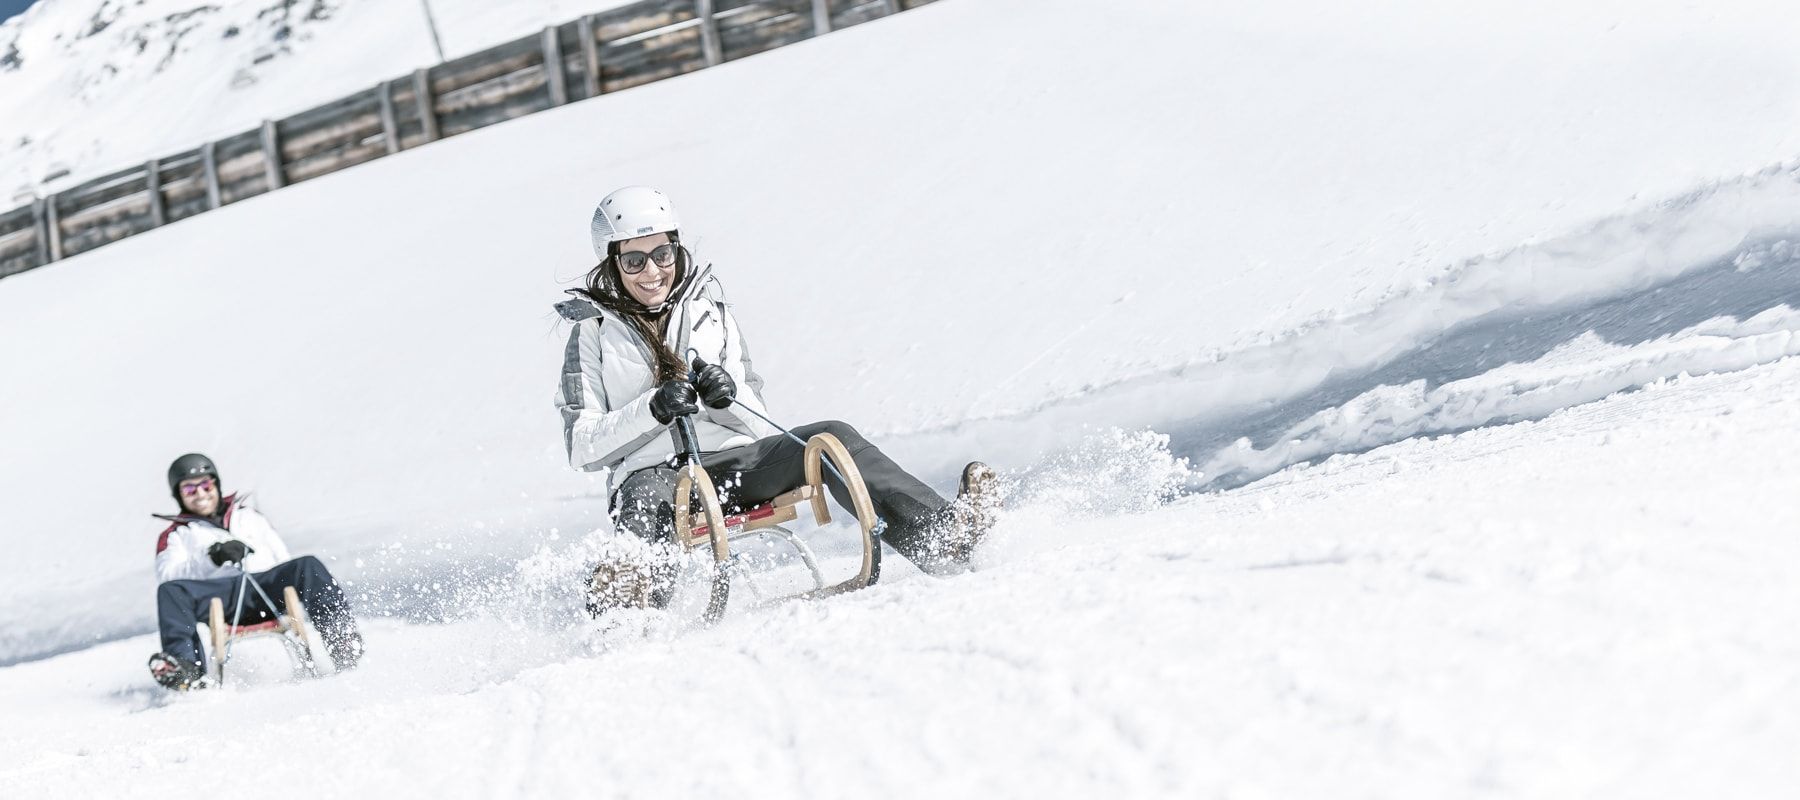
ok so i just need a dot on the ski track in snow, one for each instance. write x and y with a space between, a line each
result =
1722 252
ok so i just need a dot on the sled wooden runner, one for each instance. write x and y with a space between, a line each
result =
713 528
290 627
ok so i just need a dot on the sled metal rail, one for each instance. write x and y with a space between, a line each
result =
594 55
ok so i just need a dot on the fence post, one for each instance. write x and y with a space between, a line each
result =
53 245
427 105
271 145
554 76
153 185
209 159
590 53
709 32
41 229
390 127
892 6
821 17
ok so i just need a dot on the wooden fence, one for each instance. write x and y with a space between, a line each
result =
627 46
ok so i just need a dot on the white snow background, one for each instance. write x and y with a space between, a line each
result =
1398 398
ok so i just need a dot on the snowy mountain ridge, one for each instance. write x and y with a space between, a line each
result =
92 85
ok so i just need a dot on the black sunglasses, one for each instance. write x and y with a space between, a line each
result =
632 262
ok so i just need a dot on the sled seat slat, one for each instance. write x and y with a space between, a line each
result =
272 626
766 515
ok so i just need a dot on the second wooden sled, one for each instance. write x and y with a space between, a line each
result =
708 526
290 628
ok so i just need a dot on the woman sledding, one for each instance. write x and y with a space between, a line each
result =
644 307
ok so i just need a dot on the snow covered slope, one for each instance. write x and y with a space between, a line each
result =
1274 233
87 86
1604 616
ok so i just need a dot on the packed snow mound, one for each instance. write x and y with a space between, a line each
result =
88 86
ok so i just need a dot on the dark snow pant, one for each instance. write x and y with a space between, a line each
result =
181 605
767 468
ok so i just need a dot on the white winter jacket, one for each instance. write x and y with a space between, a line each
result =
608 380
181 549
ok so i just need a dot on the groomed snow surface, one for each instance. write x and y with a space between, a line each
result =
1393 402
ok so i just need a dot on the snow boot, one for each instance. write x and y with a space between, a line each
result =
346 649
977 501
620 583
175 674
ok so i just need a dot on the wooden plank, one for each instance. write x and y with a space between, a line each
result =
19 255
271 153
209 157
709 33
347 131
520 104
185 206
636 19
553 68
856 12
590 57
422 98
240 167
657 66
618 61
390 129
494 92
19 251
518 54
765 26
101 226
153 188
180 166
104 188
330 114
329 161
23 218
621 54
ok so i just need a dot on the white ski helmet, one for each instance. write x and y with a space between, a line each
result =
629 213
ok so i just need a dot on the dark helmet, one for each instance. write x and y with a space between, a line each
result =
191 465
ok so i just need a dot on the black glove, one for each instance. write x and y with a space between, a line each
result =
231 551
673 399
714 384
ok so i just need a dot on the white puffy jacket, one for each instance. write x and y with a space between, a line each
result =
181 550
608 380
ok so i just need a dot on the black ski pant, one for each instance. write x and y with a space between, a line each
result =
181 605
767 468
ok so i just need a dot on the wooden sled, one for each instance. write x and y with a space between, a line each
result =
708 526
290 628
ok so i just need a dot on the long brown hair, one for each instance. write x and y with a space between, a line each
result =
607 288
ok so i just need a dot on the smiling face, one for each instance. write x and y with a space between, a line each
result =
651 286
199 496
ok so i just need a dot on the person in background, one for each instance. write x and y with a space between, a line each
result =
207 547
